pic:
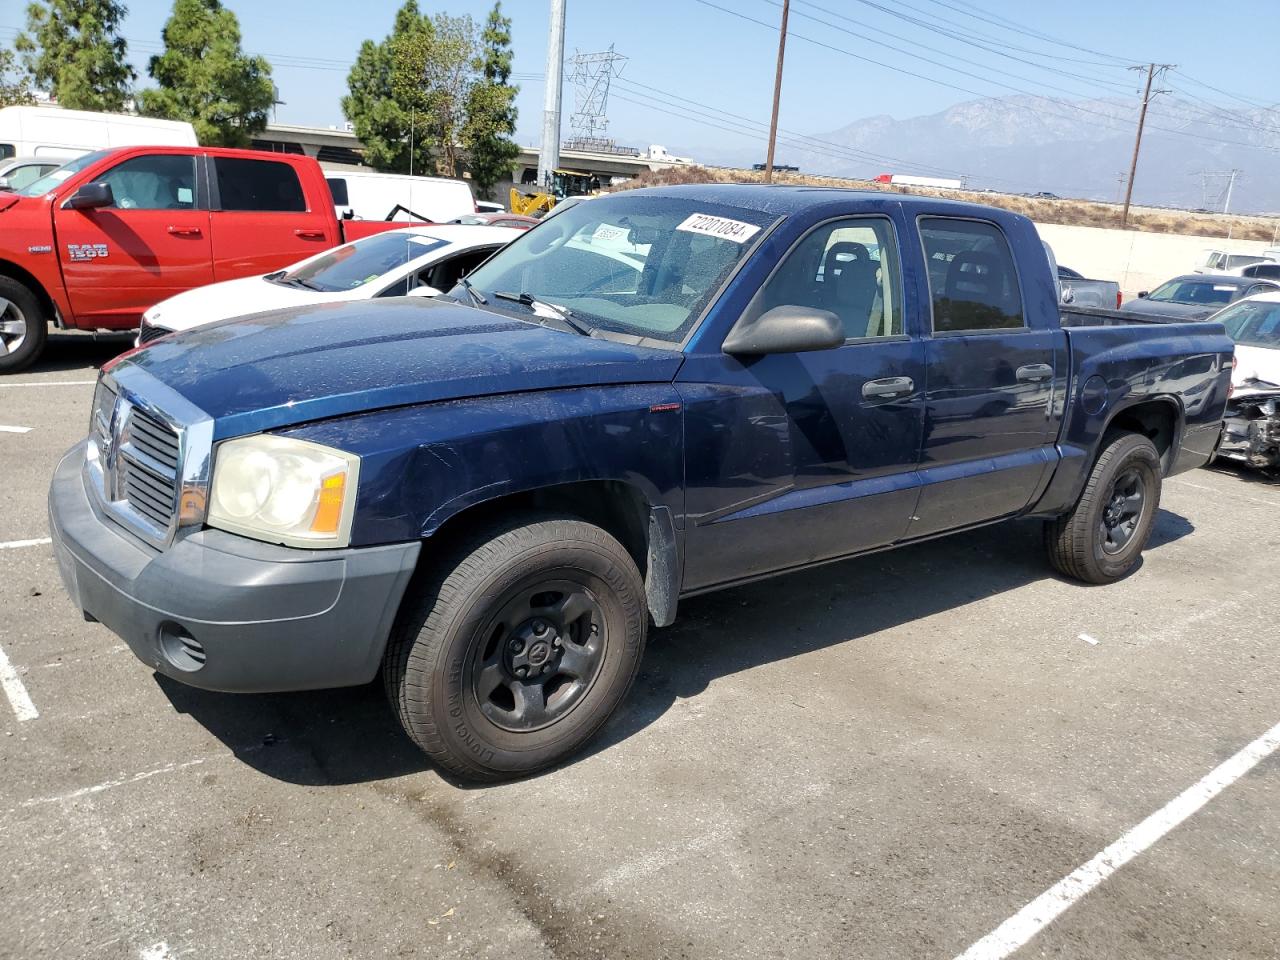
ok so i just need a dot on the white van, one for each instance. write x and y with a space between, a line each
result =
394 196
54 133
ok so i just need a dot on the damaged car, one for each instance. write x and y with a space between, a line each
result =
1251 426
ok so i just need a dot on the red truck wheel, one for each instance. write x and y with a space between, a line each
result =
1101 540
517 649
23 327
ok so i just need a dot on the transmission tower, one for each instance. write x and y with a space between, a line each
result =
591 74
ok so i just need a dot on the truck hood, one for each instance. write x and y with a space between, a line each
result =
292 366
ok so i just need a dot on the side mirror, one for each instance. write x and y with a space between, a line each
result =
1142 294
89 196
422 290
786 329
4 184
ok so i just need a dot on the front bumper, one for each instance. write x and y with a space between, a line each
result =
224 612
1250 434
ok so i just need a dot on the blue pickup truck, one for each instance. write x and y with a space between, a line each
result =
486 498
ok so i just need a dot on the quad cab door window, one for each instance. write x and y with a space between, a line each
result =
989 380
261 220
148 242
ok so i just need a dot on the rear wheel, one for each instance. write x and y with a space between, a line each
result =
23 326
1102 538
514 654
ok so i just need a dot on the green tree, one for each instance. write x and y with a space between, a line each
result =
206 79
15 87
433 74
491 108
385 125
73 49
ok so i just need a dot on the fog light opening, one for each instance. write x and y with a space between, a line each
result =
180 648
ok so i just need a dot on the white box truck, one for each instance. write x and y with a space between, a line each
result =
394 196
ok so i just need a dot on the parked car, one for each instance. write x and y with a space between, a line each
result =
107 235
21 171
1075 288
416 261
396 196
514 220
486 497
52 133
1224 262
1251 426
1195 296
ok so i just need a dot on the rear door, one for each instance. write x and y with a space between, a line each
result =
152 243
846 422
261 217
989 380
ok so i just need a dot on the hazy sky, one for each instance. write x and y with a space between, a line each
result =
723 64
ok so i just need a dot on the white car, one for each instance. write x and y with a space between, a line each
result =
1251 424
415 261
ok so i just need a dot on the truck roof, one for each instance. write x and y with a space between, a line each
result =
785 199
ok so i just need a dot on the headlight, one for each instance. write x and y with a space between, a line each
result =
284 491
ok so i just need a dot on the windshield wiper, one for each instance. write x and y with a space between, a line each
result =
476 296
296 282
559 312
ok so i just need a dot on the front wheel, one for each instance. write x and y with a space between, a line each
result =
514 654
23 327
1102 538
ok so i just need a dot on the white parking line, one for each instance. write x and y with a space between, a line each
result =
18 544
1044 909
112 784
4 429
52 383
19 699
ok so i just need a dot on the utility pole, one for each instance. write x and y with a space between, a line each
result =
549 155
777 93
1226 204
1152 70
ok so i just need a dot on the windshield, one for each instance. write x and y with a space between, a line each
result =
1195 291
54 179
1254 323
355 264
633 264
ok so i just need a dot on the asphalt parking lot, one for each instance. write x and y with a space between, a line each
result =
888 757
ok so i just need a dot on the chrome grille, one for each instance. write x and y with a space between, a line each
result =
147 467
104 402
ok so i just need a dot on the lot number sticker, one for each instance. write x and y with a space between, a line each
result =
719 227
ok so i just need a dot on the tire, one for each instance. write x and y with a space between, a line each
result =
24 328
1101 540
513 654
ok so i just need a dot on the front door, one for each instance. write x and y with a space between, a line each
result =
152 243
989 382
803 457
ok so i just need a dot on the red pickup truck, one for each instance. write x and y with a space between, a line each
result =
98 241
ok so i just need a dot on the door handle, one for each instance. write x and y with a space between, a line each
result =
888 387
1035 372
185 231
309 234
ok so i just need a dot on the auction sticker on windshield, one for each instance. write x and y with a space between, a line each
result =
721 227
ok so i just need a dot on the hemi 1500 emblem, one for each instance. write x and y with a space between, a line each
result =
86 251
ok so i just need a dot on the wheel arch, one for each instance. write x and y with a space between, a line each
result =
622 509
1159 419
29 280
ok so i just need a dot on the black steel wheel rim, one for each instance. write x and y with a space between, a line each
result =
538 654
1123 511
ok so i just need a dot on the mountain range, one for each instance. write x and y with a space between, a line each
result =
1073 148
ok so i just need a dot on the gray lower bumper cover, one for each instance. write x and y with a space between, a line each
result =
267 618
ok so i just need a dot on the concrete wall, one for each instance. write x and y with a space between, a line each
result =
1138 261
